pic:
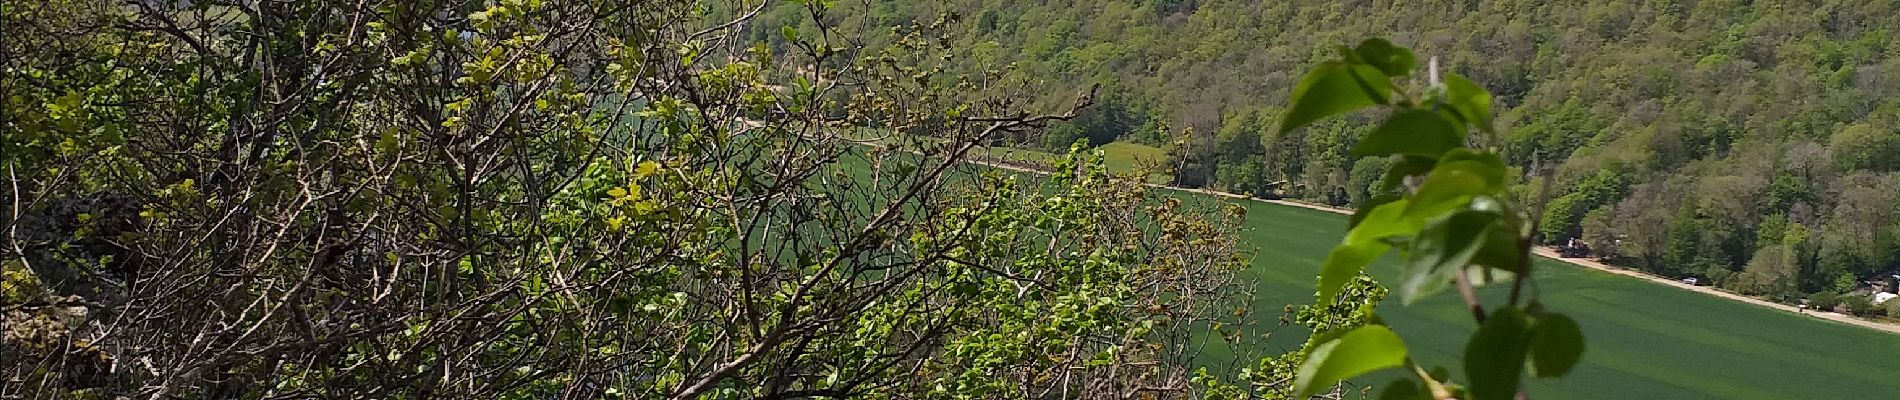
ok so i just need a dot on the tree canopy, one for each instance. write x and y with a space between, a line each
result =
1674 128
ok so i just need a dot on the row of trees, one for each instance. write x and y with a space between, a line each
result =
1748 143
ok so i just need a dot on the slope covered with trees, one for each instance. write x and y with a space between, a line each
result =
1748 143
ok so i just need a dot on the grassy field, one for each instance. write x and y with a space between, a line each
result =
1119 157
1124 156
1646 341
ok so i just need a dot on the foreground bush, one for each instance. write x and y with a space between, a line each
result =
539 199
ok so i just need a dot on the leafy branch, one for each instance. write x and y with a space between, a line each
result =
1445 204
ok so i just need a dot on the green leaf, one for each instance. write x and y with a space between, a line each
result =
1471 100
1332 88
1386 220
790 33
1406 166
1500 250
1556 345
1494 358
1371 204
1343 264
1441 250
1404 389
1328 336
1412 131
1448 188
1362 245
388 143
1390 59
1457 178
1365 349
1484 160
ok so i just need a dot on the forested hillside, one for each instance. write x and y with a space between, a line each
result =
1749 143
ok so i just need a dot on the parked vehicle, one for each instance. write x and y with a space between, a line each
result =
1575 248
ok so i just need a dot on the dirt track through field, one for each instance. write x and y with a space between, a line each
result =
1541 252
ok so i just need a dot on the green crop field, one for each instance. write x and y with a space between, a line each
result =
1646 341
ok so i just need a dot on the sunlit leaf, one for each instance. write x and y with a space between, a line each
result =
1486 158
1362 245
1412 131
1471 100
1335 88
1343 263
646 168
1457 178
1388 58
1364 349
1365 209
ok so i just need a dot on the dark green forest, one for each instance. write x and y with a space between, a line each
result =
1750 144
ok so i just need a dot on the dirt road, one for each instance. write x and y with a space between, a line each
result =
1546 253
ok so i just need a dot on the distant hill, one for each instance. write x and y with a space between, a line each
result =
1750 143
